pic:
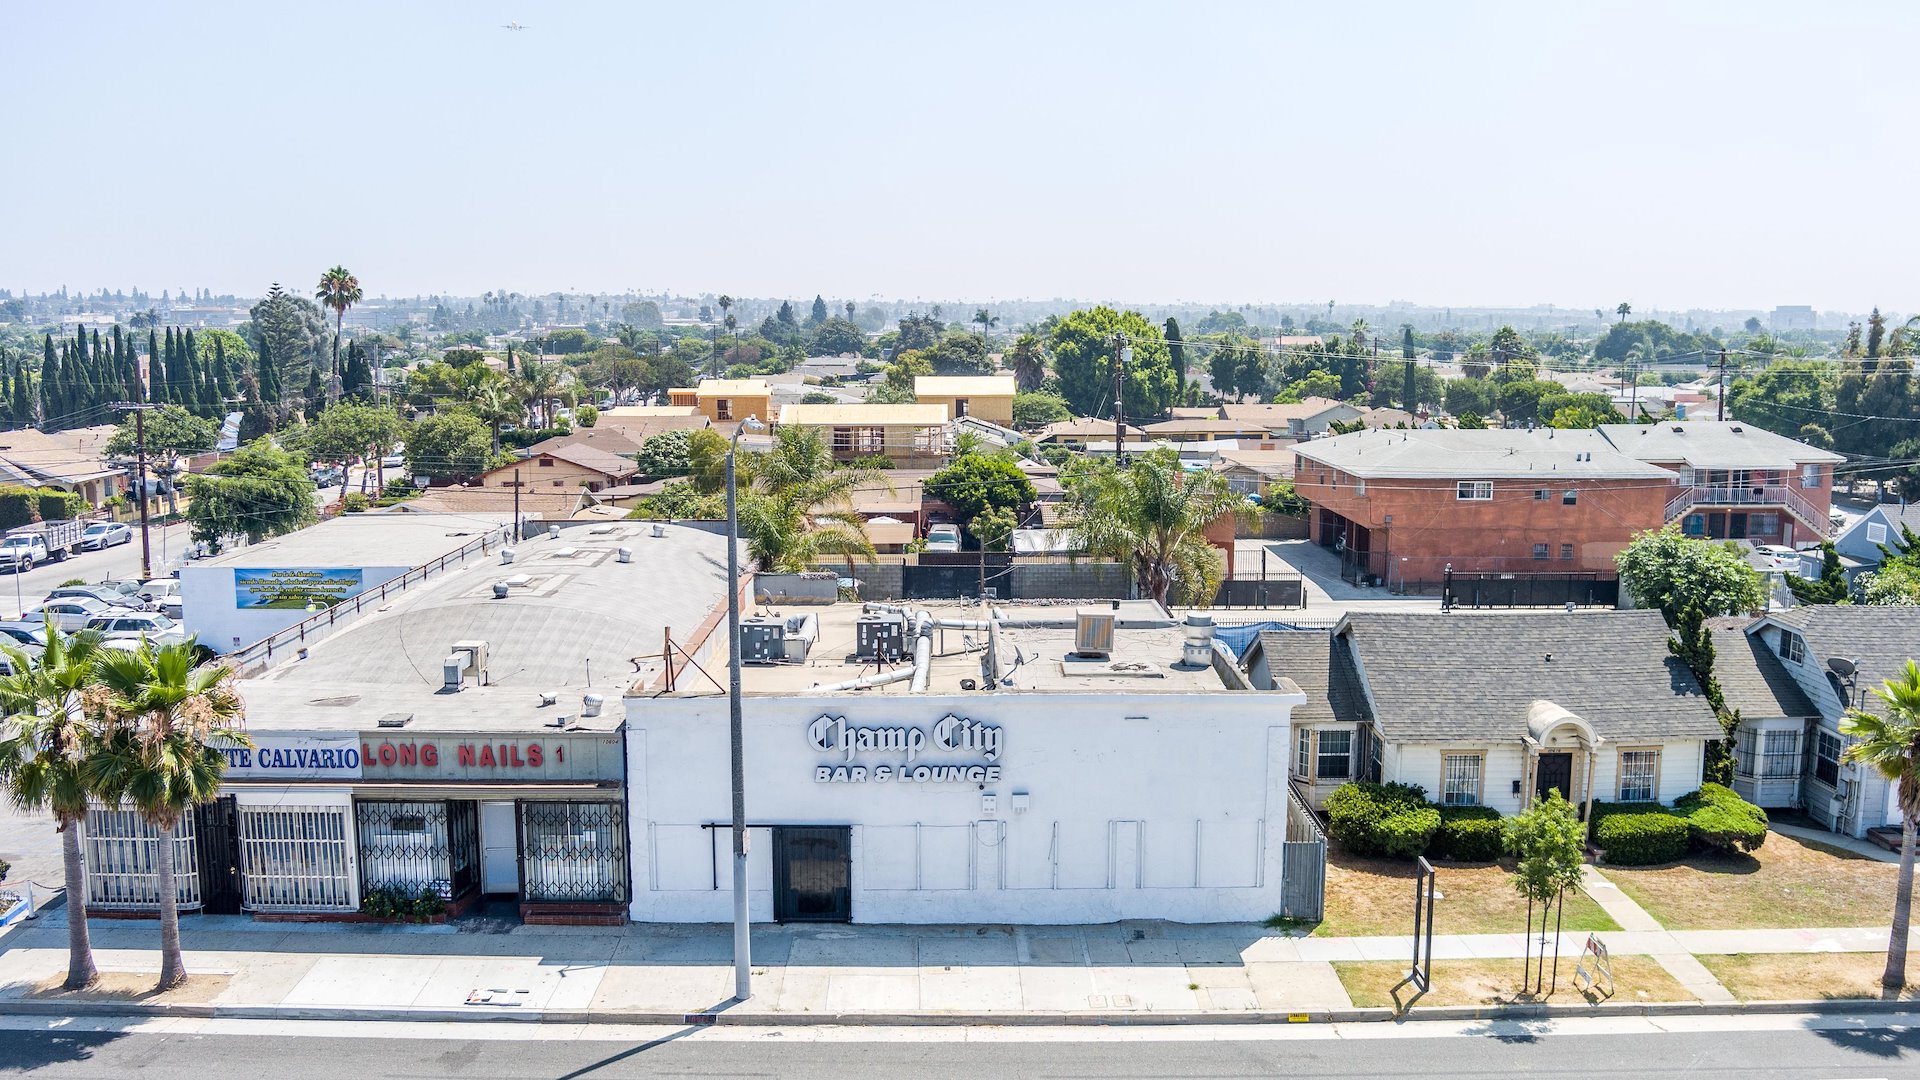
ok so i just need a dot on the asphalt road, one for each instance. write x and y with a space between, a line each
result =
118 563
1381 1053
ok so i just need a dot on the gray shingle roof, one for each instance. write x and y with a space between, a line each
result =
1436 678
1879 640
1322 666
1752 679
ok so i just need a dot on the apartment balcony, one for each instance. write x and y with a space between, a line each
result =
1738 496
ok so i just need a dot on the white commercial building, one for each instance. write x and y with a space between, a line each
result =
1029 765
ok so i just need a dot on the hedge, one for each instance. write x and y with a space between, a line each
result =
1717 818
1642 836
1382 819
1469 834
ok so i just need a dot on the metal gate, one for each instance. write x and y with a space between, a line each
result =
216 832
812 874
1303 862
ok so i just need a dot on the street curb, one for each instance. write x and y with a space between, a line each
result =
923 1019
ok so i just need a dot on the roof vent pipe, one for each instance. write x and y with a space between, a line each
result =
922 651
1196 650
506 556
500 590
549 697
659 530
553 532
590 704
624 554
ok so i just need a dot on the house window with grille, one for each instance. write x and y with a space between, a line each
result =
1639 775
1781 755
1474 491
1460 780
1334 761
843 438
1542 494
1826 758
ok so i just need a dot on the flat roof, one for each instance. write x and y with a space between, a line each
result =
964 385
865 413
575 620
368 540
734 388
649 411
1035 645
1478 454
1714 444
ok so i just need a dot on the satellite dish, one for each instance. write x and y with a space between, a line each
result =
1842 667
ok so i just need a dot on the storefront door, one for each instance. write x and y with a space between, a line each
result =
812 874
499 849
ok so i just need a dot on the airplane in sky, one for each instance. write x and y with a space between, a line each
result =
512 26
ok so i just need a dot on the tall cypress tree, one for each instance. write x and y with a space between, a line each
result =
223 371
50 409
181 392
23 395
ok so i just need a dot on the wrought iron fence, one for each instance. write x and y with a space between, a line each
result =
419 845
573 851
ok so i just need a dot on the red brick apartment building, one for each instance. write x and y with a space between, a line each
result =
1402 505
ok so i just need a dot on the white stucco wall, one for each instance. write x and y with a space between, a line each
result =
1420 763
1150 806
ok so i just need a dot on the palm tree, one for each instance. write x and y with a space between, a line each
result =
338 290
161 754
493 403
540 384
799 505
725 303
1154 515
1625 309
48 737
1028 359
987 322
1890 744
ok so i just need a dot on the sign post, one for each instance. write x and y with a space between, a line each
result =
1420 975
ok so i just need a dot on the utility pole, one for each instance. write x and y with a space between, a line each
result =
1122 352
516 505
1722 395
140 454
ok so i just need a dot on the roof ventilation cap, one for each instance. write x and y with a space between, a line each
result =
624 554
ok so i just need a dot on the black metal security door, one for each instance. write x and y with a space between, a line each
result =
216 830
1555 774
812 874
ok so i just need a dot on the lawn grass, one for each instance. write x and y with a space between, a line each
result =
1785 883
1803 976
1497 982
1371 897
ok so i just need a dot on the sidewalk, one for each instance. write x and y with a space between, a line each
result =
854 973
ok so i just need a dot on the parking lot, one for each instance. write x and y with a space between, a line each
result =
19 592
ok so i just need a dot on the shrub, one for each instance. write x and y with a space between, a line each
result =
396 902
73 581
1642 837
1717 818
354 503
1469 834
57 505
18 506
1382 819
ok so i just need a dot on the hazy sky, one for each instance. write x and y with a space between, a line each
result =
1669 154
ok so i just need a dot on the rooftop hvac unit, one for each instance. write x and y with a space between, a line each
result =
1093 634
453 670
771 640
880 636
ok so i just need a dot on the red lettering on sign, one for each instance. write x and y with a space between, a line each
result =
387 756
533 755
466 754
408 755
560 753
515 761
429 755
366 752
486 756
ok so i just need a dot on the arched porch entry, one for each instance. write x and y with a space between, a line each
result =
1562 752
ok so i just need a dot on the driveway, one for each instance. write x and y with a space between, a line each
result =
1327 595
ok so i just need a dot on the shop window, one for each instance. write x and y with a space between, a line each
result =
1474 491
296 858
1639 775
573 851
122 852
1826 758
411 846
1460 780
1334 760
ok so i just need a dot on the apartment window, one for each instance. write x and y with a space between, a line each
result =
723 408
1686 477
1694 525
843 438
1639 775
1334 761
1566 552
959 407
1303 755
546 463
1826 758
1460 780
1359 487
1876 533
1542 494
1809 476
1781 755
1793 647
1569 497
1540 551
1474 491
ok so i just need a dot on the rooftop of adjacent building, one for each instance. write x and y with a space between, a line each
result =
1714 444
1478 454
1034 649
575 620
370 540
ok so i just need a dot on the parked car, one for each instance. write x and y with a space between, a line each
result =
393 461
151 625
6 662
42 541
69 613
943 538
163 595
20 553
105 593
23 632
105 534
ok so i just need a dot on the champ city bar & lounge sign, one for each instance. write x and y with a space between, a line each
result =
849 743
489 757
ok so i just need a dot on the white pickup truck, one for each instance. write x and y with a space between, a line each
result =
43 541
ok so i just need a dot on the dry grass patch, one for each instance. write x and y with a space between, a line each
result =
1497 982
1370 897
134 986
1786 883
1803 976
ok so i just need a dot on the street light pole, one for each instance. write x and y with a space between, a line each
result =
1122 352
742 937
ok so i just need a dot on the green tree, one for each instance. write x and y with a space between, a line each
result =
288 332
993 528
167 721
1238 366
496 406
960 353
1028 360
453 446
339 290
1889 742
838 337
1036 409
1153 516
1829 588
260 491
1083 346
799 504
1894 583
1463 396
644 314
987 321
1177 355
170 430
1675 573
47 738
1550 844
664 455
1625 309
976 483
